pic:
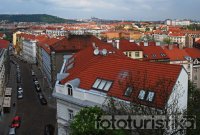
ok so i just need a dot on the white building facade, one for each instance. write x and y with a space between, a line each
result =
29 50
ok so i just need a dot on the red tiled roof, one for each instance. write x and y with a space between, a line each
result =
47 43
4 43
176 34
76 42
176 54
154 53
125 45
193 52
88 67
1 35
26 36
41 38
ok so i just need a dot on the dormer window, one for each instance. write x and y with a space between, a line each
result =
101 84
162 54
150 96
128 91
141 95
154 55
69 89
146 95
145 56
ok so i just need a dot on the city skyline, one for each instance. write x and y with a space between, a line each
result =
114 9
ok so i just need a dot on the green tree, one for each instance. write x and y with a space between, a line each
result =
84 123
194 107
147 29
167 40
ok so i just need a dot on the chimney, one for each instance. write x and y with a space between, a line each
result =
117 43
180 46
94 45
170 47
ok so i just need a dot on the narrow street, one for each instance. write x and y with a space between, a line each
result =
34 115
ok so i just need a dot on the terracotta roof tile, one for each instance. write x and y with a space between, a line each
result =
125 45
176 54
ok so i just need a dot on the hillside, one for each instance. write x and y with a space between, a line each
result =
34 18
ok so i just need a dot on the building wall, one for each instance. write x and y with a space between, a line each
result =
187 65
46 65
181 40
2 70
15 38
29 50
135 36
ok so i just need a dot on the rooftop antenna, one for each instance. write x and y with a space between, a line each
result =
96 51
104 52
94 46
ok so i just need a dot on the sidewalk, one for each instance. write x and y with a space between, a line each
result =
45 88
6 119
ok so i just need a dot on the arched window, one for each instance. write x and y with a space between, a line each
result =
69 88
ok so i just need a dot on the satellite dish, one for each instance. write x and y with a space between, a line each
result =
96 52
104 51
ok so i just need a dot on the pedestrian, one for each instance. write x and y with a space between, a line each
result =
14 104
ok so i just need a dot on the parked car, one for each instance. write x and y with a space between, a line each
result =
16 122
42 99
49 129
32 73
19 94
34 79
19 88
37 87
12 131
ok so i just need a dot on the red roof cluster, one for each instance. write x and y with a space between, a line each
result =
74 43
141 75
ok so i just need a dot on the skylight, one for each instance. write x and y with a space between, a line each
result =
101 84
163 55
154 55
128 91
150 96
141 94
96 83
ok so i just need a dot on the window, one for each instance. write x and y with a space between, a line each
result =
188 66
145 56
69 88
128 91
163 55
70 114
96 83
150 96
137 54
141 94
107 86
102 84
154 55
129 54
195 77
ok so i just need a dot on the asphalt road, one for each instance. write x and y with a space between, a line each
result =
34 115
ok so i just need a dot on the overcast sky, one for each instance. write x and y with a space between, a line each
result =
106 9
